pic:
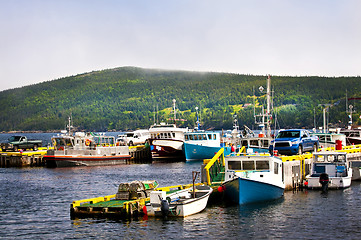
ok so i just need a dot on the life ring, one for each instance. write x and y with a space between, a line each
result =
87 142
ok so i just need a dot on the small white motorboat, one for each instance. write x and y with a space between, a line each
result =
181 203
329 170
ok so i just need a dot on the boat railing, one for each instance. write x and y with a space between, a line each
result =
215 167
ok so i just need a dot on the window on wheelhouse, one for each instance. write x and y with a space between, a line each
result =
275 168
262 165
254 143
234 165
248 165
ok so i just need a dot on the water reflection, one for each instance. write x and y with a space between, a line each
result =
35 204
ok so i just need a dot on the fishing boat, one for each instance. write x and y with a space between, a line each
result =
167 140
253 178
329 170
84 149
180 203
201 145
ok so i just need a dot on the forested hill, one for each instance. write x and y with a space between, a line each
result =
126 98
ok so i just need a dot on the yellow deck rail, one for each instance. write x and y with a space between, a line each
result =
77 203
220 153
242 151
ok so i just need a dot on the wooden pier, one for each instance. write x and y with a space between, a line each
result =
23 159
110 207
139 154
295 168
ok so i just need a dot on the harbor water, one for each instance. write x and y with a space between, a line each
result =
35 205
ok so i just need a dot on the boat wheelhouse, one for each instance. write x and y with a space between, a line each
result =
201 145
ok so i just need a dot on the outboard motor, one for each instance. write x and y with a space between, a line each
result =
324 180
164 207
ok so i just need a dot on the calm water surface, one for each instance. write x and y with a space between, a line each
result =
35 205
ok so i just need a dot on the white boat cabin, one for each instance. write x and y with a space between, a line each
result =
260 167
335 164
167 131
81 140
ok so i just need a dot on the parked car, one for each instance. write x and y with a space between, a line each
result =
15 143
137 137
294 141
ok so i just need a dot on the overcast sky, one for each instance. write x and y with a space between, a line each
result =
43 40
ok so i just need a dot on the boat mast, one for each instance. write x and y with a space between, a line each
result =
198 122
175 117
268 113
264 118
69 126
324 121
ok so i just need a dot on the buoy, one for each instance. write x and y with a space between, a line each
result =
306 183
220 189
145 210
275 152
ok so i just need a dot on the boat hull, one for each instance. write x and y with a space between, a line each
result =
243 191
199 152
334 182
167 150
72 161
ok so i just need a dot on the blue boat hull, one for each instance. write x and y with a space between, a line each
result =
243 191
198 152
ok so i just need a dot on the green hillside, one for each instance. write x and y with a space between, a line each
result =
126 98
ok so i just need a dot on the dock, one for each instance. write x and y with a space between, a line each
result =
295 168
212 173
110 207
23 159
139 154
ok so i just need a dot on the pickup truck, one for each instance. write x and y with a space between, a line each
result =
138 137
293 141
15 143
